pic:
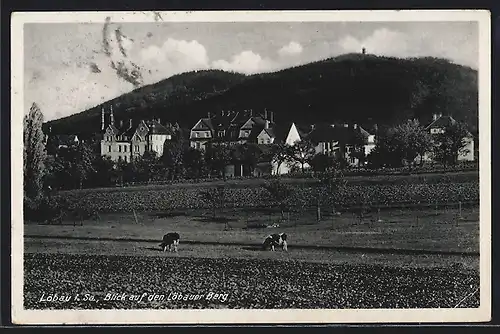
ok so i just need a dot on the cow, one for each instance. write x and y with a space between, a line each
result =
274 240
169 240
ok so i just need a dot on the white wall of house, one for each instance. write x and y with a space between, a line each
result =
156 142
198 144
116 150
264 138
292 138
138 146
468 153
328 148
293 135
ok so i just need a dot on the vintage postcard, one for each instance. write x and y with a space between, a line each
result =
251 167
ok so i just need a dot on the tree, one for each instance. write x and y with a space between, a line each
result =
358 148
248 155
147 166
328 186
302 152
34 153
194 163
218 156
214 198
172 158
83 164
387 151
279 154
450 143
103 170
412 140
279 193
321 162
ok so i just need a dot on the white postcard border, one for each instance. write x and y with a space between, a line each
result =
22 316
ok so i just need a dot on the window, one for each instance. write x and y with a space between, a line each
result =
125 158
119 148
124 148
196 134
137 148
352 160
109 148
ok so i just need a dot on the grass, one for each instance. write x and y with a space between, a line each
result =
393 229
148 249
468 176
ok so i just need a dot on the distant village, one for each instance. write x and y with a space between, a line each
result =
126 141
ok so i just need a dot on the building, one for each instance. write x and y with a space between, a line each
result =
128 140
232 127
347 141
437 126
287 134
54 143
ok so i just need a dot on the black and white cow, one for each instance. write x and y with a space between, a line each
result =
274 240
169 240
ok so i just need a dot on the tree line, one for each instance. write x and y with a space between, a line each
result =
78 166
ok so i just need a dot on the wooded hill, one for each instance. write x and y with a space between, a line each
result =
348 88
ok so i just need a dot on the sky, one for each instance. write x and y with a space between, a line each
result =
70 67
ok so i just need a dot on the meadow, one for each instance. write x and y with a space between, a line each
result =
396 237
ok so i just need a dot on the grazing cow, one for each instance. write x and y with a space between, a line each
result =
169 240
274 240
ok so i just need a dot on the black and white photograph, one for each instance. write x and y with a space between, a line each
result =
251 167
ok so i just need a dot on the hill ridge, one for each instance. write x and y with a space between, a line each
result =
350 87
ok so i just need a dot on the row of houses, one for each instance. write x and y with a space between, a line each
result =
127 140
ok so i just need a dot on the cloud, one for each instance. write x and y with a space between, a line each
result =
246 62
382 41
172 57
293 48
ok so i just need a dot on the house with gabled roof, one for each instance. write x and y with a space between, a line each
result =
53 143
286 134
230 127
201 133
438 125
345 141
128 140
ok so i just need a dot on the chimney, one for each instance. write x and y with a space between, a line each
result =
265 113
272 116
355 126
267 124
363 50
130 123
159 120
346 125
209 115
102 119
121 123
251 112
332 125
112 116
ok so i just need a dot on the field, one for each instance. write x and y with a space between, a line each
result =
406 257
381 191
